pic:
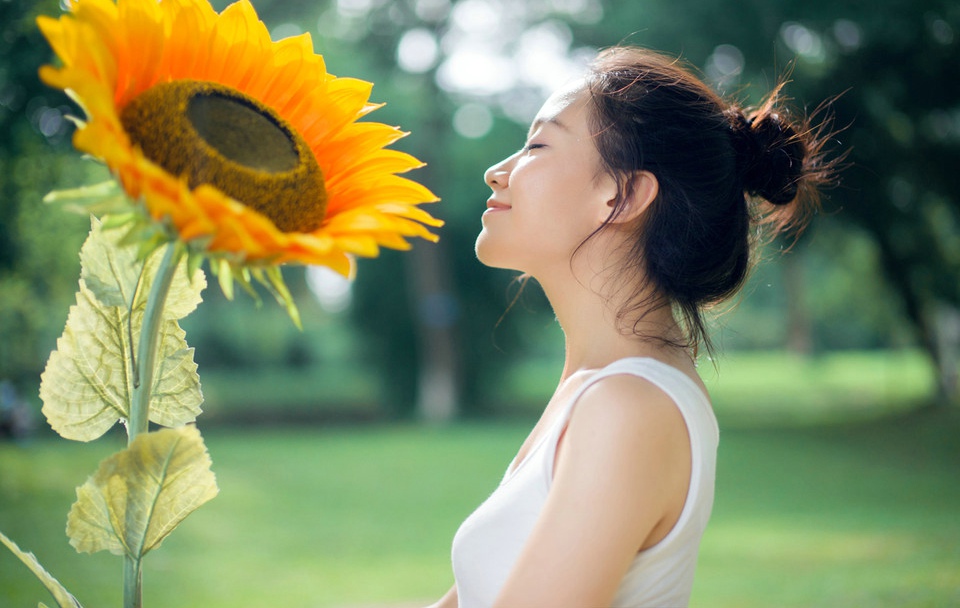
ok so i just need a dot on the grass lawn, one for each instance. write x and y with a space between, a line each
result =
807 514
863 515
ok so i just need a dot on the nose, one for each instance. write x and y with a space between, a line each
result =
498 176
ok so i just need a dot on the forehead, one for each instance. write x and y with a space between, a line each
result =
565 102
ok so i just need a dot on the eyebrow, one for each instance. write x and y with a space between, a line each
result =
550 121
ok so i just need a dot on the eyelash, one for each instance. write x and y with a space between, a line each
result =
529 147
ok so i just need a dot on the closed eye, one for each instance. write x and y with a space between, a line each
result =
531 146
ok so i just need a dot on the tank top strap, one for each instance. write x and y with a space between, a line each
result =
684 392
676 384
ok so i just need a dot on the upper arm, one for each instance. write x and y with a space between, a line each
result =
622 474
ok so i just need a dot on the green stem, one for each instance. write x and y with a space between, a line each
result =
147 348
143 388
131 583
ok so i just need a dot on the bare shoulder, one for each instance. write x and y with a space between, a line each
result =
628 403
627 446
630 428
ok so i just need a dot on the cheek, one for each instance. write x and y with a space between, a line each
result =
550 218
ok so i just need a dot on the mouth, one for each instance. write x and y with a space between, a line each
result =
493 205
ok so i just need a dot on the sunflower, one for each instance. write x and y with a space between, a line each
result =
242 146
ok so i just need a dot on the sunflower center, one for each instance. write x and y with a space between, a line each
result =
212 134
241 133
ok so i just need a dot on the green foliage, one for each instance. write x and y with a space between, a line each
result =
104 198
847 46
140 494
60 594
889 70
901 187
89 380
37 248
270 277
123 356
757 389
37 290
834 311
22 101
884 256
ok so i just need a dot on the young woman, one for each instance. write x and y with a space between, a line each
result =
634 204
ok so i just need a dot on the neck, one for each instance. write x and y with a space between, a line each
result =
594 336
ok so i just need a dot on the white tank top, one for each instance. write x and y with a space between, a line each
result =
489 541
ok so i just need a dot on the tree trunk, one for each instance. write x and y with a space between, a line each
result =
947 338
799 333
435 308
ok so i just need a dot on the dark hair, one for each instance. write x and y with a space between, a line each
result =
722 170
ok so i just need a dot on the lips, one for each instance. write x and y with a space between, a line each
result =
493 205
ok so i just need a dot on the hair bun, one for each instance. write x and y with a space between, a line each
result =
769 155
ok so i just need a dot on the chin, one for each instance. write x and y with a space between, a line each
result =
489 253
481 249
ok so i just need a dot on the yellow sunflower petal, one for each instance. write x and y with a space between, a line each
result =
359 244
140 47
392 241
320 251
100 15
346 98
363 139
378 226
96 61
186 25
409 212
111 53
393 188
235 32
384 162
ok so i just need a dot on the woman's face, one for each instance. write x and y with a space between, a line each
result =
549 196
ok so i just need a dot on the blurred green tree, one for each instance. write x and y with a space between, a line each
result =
432 318
38 249
903 187
899 191
890 71
891 67
429 315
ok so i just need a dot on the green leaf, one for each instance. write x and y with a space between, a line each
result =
176 397
88 382
140 494
111 272
99 199
242 276
281 293
86 385
225 277
194 260
270 277
63 597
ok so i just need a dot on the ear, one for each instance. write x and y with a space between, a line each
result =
644 189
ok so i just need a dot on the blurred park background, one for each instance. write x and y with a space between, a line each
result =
348 453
